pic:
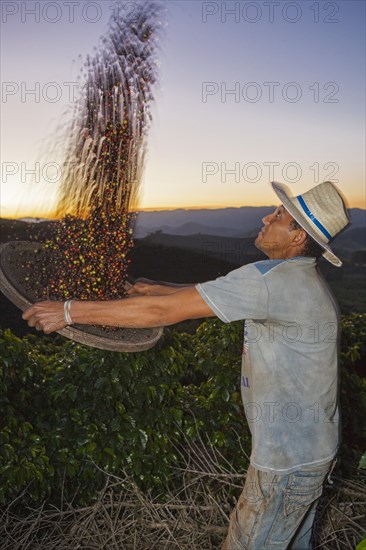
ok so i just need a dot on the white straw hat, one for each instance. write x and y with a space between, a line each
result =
321 211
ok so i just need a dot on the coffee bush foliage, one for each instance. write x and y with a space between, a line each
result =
70 413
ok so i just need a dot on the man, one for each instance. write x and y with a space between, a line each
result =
289 363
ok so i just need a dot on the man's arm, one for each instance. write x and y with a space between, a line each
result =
135 312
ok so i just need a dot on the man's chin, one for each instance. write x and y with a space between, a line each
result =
260 244
257 243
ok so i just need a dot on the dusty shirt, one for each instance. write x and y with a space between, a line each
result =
289 377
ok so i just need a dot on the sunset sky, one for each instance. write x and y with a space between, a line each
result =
295 113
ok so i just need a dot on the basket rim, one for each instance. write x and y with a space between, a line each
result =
72 332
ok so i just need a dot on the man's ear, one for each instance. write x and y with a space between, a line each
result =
298 238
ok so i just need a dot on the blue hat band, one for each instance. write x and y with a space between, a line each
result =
313 218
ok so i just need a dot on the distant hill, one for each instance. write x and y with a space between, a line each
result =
358 217
189 228
24 230
225 222
235 250
354 238
349 242
229 222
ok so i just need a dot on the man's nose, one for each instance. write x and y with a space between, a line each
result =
267 219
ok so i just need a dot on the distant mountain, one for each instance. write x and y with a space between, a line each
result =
24 230
237 220
358 217
235 250
351 239
225 222
188 229
228 222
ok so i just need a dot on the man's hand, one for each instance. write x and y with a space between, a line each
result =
144 287
46 316
147 287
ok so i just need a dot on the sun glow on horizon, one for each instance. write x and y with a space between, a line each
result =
36 213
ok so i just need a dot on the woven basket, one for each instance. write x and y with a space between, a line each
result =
14 283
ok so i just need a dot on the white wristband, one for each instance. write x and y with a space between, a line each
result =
67 312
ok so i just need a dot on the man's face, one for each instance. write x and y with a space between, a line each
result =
276 238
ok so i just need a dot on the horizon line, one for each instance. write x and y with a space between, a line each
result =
156 209
147 209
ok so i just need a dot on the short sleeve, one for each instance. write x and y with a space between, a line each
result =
241 294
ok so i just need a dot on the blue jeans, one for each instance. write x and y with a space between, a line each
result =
276 512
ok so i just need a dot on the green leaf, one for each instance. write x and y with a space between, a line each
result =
115 424
143 438
362 463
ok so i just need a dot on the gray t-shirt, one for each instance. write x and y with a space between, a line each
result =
289 378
